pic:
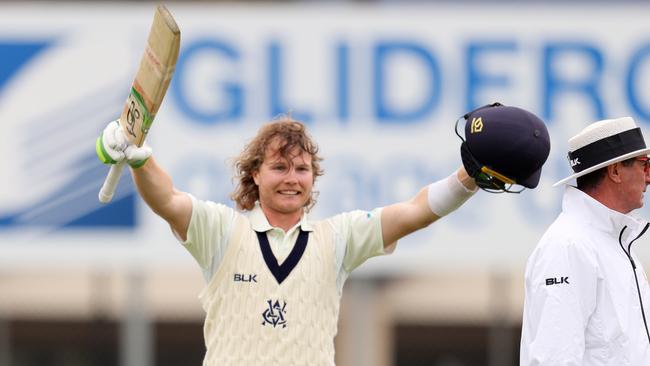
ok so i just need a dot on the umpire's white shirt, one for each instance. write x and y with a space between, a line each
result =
581 305
254 315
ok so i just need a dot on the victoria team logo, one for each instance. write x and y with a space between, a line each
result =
274 314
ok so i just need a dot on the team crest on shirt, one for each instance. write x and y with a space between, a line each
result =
275 314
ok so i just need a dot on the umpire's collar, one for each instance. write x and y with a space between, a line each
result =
590 211
261 224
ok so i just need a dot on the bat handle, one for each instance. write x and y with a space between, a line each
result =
113 177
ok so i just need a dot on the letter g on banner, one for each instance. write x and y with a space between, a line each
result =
227 103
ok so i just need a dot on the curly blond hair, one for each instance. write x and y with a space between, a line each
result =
291 134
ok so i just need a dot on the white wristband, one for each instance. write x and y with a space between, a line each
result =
448 194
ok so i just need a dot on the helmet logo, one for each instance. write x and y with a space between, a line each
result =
477 125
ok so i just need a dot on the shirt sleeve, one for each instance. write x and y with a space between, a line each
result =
561 291
207 234
361 233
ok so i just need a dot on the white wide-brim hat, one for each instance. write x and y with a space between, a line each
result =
603 143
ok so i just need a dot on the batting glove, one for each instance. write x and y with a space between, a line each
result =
113 147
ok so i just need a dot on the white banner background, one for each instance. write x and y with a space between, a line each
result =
288 57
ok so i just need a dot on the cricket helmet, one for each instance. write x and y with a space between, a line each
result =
504 146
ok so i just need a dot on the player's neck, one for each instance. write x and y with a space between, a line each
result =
282 220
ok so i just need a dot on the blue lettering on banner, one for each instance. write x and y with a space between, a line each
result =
231 90
557 85
632 81
478 79
276 86
385 112
343 81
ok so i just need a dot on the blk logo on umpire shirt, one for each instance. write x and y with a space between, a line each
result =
557 281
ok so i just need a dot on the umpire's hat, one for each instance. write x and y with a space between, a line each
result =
603 143
509 143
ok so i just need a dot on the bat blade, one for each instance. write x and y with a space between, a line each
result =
148 90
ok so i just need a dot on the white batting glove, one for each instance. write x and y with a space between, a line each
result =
113 147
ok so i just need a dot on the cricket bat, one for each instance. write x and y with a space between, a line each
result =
148 90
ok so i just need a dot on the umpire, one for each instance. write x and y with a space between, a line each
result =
587 295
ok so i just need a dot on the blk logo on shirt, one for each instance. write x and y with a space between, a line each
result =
557 281
240 277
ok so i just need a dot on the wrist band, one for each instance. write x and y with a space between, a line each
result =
448 194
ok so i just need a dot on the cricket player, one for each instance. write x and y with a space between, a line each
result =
274 276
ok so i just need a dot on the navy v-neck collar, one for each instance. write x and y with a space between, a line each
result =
281 272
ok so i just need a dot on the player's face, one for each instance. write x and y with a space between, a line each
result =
636 178
284 185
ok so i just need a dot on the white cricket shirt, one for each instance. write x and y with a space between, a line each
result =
276 304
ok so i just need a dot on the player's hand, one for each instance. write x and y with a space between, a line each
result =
112 147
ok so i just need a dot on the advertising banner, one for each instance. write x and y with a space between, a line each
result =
380 88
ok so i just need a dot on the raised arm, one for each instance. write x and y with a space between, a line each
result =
503 146
428 205
157 190
153 183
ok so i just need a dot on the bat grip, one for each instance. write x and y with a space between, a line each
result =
113 177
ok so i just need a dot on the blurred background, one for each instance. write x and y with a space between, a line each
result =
380 84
